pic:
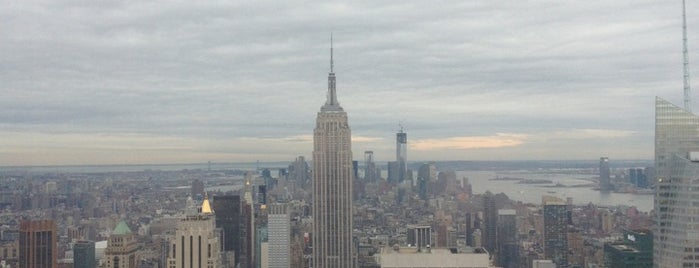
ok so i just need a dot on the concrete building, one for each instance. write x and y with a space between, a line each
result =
122 248
279 236
196 242
398 257
37 244
333 245
676 229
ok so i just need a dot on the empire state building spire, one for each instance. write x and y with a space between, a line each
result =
331 103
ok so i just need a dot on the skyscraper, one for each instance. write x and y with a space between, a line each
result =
556 232
490 218
402 154
229 218
507 253
279 236
605 183
333 246
676 230
37 244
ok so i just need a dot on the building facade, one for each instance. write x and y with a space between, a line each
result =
122 248
84 254
402 155
333 246
507 252
676 229
605 181
37 244
490 220
279 236
196 241
556 232
229 218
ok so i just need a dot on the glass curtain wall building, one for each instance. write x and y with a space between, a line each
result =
676 229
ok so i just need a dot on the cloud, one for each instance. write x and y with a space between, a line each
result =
216 72
499 140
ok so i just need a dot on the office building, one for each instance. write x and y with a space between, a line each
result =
333 246
605 182
635 250
279 236
676 230
196 242
556 232
402 155
371 172
84 254
490 220
37 244
121 248
229 218
507 252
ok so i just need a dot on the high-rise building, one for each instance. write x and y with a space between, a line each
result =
371 173
84 254
605 182
333 246
121 248
676 230
507 252
556 232
37 244
196 242
279 236
229 218
299 172
490 220
402 154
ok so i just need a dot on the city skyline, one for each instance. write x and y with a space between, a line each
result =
130 83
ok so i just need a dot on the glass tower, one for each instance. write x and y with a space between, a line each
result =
676 229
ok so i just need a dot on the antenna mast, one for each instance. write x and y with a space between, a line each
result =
685 54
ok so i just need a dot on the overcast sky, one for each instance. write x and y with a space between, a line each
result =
129 82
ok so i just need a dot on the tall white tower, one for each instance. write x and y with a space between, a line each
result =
333 246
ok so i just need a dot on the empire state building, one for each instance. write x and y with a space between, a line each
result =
333 246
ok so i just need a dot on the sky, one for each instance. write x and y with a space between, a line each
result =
141 82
